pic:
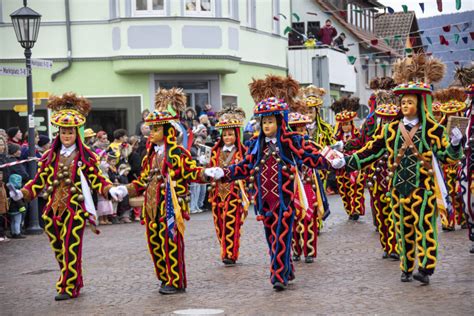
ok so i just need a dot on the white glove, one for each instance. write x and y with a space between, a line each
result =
118 193
456 136
339 146
16 195
338 163
210 172
214 172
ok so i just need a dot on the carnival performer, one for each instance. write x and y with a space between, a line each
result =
270 163
68 172
229 200
452 104
305 230
321 133
350 184
166 172
413 144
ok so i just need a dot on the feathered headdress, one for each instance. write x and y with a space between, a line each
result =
414 75
313 95
387 104
69 110
464 75
230 116
274 94
346 108
168 105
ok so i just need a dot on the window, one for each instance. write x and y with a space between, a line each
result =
199 7
294 38
229 99
148 7
197 92
313 28
251 17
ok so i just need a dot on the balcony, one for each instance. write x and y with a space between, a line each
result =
323 66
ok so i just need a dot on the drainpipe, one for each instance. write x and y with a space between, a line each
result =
69 44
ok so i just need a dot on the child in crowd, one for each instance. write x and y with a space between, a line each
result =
17 209
104 206
113 177
123 207
3 208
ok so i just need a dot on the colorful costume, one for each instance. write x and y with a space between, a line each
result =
452 103
350 184
68 174
412 146
270 163
229 200
166 172
305 230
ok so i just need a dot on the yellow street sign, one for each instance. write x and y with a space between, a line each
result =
37 101
40 95
20 108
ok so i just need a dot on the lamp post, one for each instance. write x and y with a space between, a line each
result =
26 23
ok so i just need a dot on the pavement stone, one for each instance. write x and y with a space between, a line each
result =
348 277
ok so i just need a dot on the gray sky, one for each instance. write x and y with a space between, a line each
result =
431 8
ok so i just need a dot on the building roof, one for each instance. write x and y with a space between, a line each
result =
398 23
359 33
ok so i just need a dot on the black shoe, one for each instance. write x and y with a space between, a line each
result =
18 236
448 229
385 255
228 262
406 277
308 260
278 286
464 226
350 218
296 258
163 283
62 297
355 217
422 277
394 256
168 290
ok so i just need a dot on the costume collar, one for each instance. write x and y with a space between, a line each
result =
159 148
228 148
67 151
271 139
410 123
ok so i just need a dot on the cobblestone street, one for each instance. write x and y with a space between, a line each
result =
348 277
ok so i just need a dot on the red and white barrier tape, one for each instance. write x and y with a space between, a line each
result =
6 165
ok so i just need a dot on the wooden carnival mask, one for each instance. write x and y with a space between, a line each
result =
409 106
269 126
228 136
67 136
156 134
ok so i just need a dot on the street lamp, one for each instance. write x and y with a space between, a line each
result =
26 23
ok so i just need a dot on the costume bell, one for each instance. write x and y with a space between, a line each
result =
229 200
270 167
166 172
305 231
413 144
350 184
68 172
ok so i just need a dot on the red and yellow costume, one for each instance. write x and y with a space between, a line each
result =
305 231
164 179
65 213
350 184
228 199
452 104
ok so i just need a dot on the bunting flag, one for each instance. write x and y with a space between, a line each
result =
397 37
351 59
287 30
466 26
408 50
276 18
390 10
451 51
387 41
457 27
422 6
343 14
281 14
472 35
383 66
421 32
440 5
456 38
328 12
447 28
412 41
296 16
464 39
429 53
428 39
374 42
405 8
312 13
357 10
443 40
456 62
458 5
355 69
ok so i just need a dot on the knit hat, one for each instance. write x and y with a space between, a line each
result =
12 131
43 140
13 148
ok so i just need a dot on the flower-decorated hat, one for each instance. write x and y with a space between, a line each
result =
297 119
346 109
69 110
451 100
313 96
273 95
168 104
387 105
231 116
